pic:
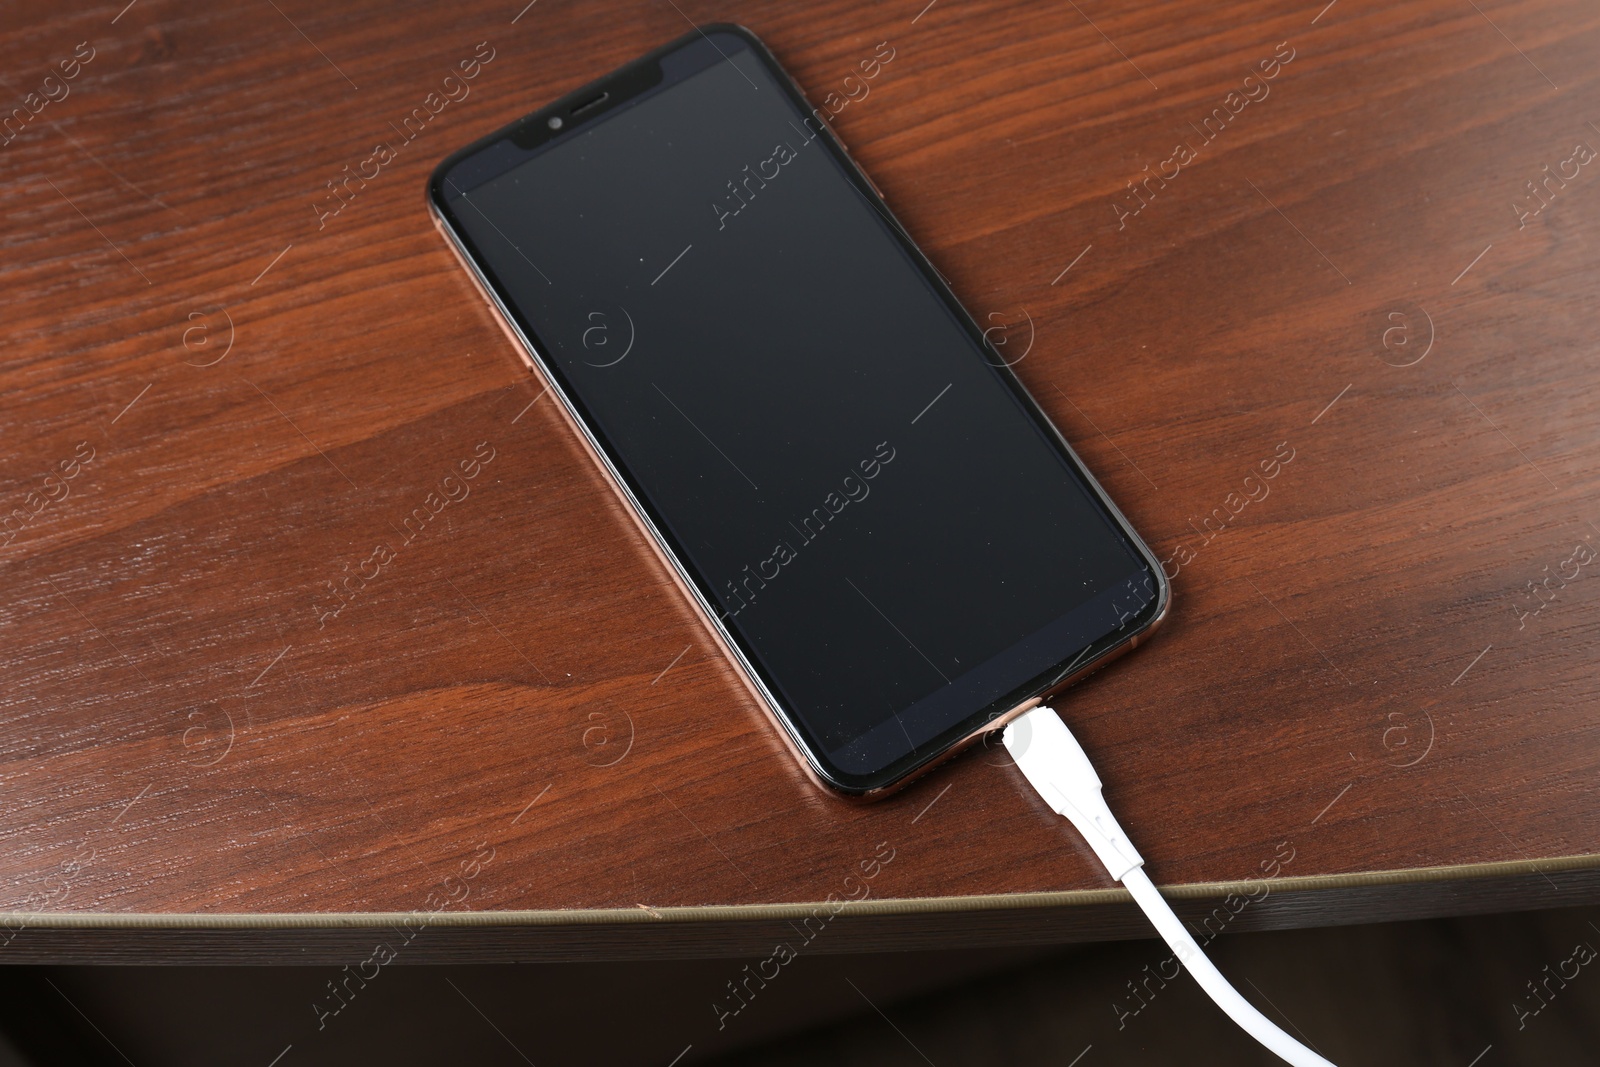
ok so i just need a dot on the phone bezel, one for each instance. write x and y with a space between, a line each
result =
623 85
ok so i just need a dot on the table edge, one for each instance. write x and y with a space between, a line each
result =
641 913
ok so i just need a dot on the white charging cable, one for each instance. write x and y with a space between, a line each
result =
1057 768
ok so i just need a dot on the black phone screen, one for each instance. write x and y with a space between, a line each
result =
892 536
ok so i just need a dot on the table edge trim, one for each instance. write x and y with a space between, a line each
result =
641 913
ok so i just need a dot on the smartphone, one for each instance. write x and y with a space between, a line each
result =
885 534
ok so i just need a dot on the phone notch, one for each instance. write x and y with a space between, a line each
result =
588 103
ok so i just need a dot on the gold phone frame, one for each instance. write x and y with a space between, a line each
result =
535 361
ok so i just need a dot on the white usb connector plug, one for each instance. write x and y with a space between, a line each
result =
1060 772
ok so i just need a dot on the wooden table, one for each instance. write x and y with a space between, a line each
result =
233 730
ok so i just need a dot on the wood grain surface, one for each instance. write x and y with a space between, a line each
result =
246 707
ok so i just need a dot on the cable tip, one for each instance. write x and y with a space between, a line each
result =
1060 772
